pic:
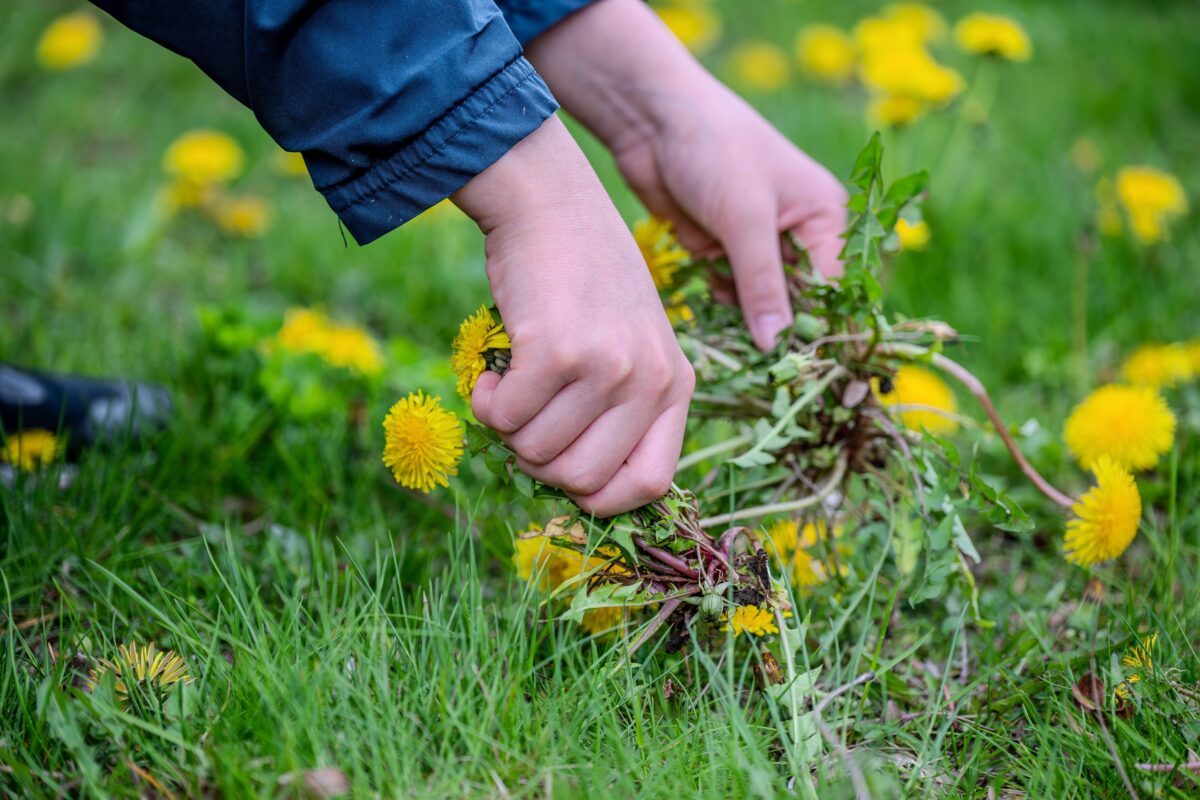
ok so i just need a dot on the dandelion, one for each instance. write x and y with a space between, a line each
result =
754 620
678 311
1159 365
696 26
204 158
140 668
1151 199
912 235
1132 425
537 560
602 620
760 66
31 450
894 110
825 53
180 194
423 442
923 23
1139 658
663 254
910 71
71 40
793 546
350 347
922 399
1108 515
881 34
478 334
993 35
247 216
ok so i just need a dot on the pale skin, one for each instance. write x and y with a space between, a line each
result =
596 397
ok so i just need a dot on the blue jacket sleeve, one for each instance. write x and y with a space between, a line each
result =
530 18
394 105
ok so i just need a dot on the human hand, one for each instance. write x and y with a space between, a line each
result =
596 395
695 153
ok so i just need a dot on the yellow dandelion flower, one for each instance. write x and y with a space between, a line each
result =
71 40
663 254
204 157
697 26
180 194
794 548
759 66
918 396
477 334
924 24
825 53
1151 199
603 620
303 330
993 35
423 442
678 311
910 71
145 668
1132 425
754 620
1192 349
352 348
31 450
1108 515
535 559
1159 366
912 236
1139 658
247 216
881 34
894 110
290 164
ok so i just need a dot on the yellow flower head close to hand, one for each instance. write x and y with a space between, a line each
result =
760 66
993 35
1151 199
30 450
423 442
912 236
70 41
697 26
1107 516
922 400
754 620
1132 425
1159 366
145 668
825 53
204 158
477 334
663 254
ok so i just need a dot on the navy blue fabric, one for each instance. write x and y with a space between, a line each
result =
530 18
395 105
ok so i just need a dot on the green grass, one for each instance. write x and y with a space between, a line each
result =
333 621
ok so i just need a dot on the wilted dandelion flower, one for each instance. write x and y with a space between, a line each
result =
1108 515
760 66
1159 366
825 53
919 395
661 250
247 216
694 24
1151 199
204 157
423 442
925 24
1132 425
31 449
912 236
754 620
993 35
1139 658
477 334
71 40
145 668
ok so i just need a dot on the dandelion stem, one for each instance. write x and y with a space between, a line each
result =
670 560
658 619
717 449
831 483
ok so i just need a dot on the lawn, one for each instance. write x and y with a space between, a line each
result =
346 636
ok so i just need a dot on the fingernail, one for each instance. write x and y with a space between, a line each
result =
767 328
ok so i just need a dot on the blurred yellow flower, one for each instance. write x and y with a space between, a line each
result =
307 330
71 40
910 71
825 53
290 164
444 211
753 620
534 559
1107 516
794 548
180 194
1132 425
603 620
760 66
919 395
880 34
993 35
1159 366
204 157
694 24
661 250
247 216
912 236
31 449
1151 199
423 442
894 110
146 667
926 24
678 311
477 334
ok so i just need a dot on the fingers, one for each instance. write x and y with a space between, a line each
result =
648 471
505 404
593 459
820 220
559 423
641 173
752 242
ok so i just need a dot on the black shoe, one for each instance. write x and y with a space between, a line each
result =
87 410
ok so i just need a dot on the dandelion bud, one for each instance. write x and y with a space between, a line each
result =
711 606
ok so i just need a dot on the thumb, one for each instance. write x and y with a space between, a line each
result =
754 252
481 397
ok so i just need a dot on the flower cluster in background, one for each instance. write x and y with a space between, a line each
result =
200 165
